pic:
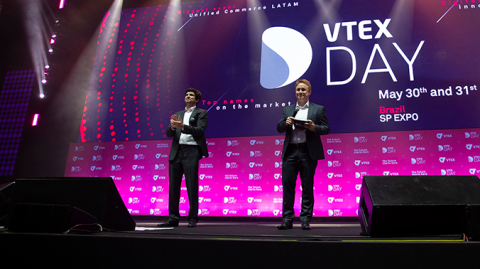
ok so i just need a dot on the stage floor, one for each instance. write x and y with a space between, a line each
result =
321 231
236 244
349 231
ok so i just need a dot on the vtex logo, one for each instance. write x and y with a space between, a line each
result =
286 56
252 142
253 212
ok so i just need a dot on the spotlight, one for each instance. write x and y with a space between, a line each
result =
54 35
41 95
50 50
44 81
35 117
47 66
52 41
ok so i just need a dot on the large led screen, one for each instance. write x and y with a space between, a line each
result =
375 66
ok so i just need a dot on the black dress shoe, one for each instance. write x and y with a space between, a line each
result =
287 224
192 223
306 226
169 223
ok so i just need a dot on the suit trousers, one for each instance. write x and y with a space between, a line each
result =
298 160
185 162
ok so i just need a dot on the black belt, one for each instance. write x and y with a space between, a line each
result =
186 146
299 145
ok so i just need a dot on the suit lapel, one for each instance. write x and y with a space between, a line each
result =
194 114
292 110
311 111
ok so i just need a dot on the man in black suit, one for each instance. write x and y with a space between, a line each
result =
303 123
188 147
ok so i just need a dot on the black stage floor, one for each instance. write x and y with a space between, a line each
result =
240 244
210 230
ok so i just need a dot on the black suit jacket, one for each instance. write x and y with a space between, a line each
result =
316 113
197 125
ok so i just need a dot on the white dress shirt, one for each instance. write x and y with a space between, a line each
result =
187 139
300 136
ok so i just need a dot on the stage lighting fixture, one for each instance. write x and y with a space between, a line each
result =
50 50
42 95
52 41
44 81
35 117
54 35
47 66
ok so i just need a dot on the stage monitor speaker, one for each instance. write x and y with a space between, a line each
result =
97 196
41 218
419 205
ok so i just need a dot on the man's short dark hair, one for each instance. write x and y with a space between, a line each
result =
304 81
198 94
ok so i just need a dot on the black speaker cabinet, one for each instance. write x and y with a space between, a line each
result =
41 218
96 196
419 205
6 191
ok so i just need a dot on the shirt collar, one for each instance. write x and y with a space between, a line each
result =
190 110
305 106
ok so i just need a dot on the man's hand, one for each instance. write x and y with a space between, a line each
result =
176 122
310 125
289 121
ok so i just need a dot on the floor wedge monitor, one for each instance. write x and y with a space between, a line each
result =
96 196
419 205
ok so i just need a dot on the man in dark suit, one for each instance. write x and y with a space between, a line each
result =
188 147
303 123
